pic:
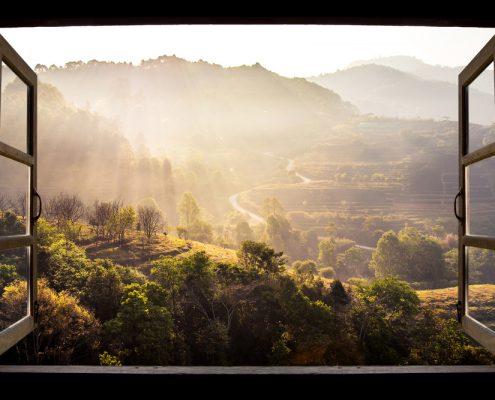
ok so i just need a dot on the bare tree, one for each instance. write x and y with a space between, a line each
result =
64 208
150 219
19 204
4 202
100 214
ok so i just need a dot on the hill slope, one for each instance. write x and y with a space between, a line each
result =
482 302
386 91
170 103
426 71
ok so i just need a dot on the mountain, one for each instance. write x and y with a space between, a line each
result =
169 103
426 71
386 91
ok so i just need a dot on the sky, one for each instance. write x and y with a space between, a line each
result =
289 50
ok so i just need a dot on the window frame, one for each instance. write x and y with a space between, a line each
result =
474 328
17 331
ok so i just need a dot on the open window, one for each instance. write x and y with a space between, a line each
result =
477 201
18 212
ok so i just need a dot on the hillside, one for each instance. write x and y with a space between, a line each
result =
137 253
170 103
482 302
387 91
426 71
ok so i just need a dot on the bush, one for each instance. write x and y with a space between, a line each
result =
327 272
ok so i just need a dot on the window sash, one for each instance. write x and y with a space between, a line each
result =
15 332
475 329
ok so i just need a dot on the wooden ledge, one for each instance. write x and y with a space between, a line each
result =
247 370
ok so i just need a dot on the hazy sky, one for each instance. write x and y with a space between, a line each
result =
297 50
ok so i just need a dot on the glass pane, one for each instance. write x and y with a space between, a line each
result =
481 197
14 276
13 110
482 110
481 289
14 197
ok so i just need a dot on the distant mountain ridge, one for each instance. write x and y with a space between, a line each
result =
426 71
169 102
387 91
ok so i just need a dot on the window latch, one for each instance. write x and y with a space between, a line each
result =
459 218
458 307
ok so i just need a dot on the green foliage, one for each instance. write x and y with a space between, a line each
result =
411 256
382 318
47 234
107 359
327 272
243 232
352 263
272 206
260 256
102 289
8 274
188 210
305 270
11 224
201 231
142 332
121 221
441 342
66 266
66 333
280 350
338 295
326 256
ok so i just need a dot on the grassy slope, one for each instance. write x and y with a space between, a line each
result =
136 252
481 298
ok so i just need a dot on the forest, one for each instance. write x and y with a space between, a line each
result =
201 215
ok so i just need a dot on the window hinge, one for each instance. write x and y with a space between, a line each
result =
36 311
459 307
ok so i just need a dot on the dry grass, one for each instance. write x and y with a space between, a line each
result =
481 302
135 251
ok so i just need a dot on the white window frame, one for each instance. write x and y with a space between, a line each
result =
17 331
474 328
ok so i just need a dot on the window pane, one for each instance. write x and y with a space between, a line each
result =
14 197
481 198
482 110
481 289
13 111
14 276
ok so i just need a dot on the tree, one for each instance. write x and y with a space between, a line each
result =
338 294
423 255
260 256
63 207
271 206
150 219
66 331
243 231
142 332
388 258
201 231
124 219
188 210
352 263
305 270
326 256
382 317
8 274
411 256
100 214
103 289
11 224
